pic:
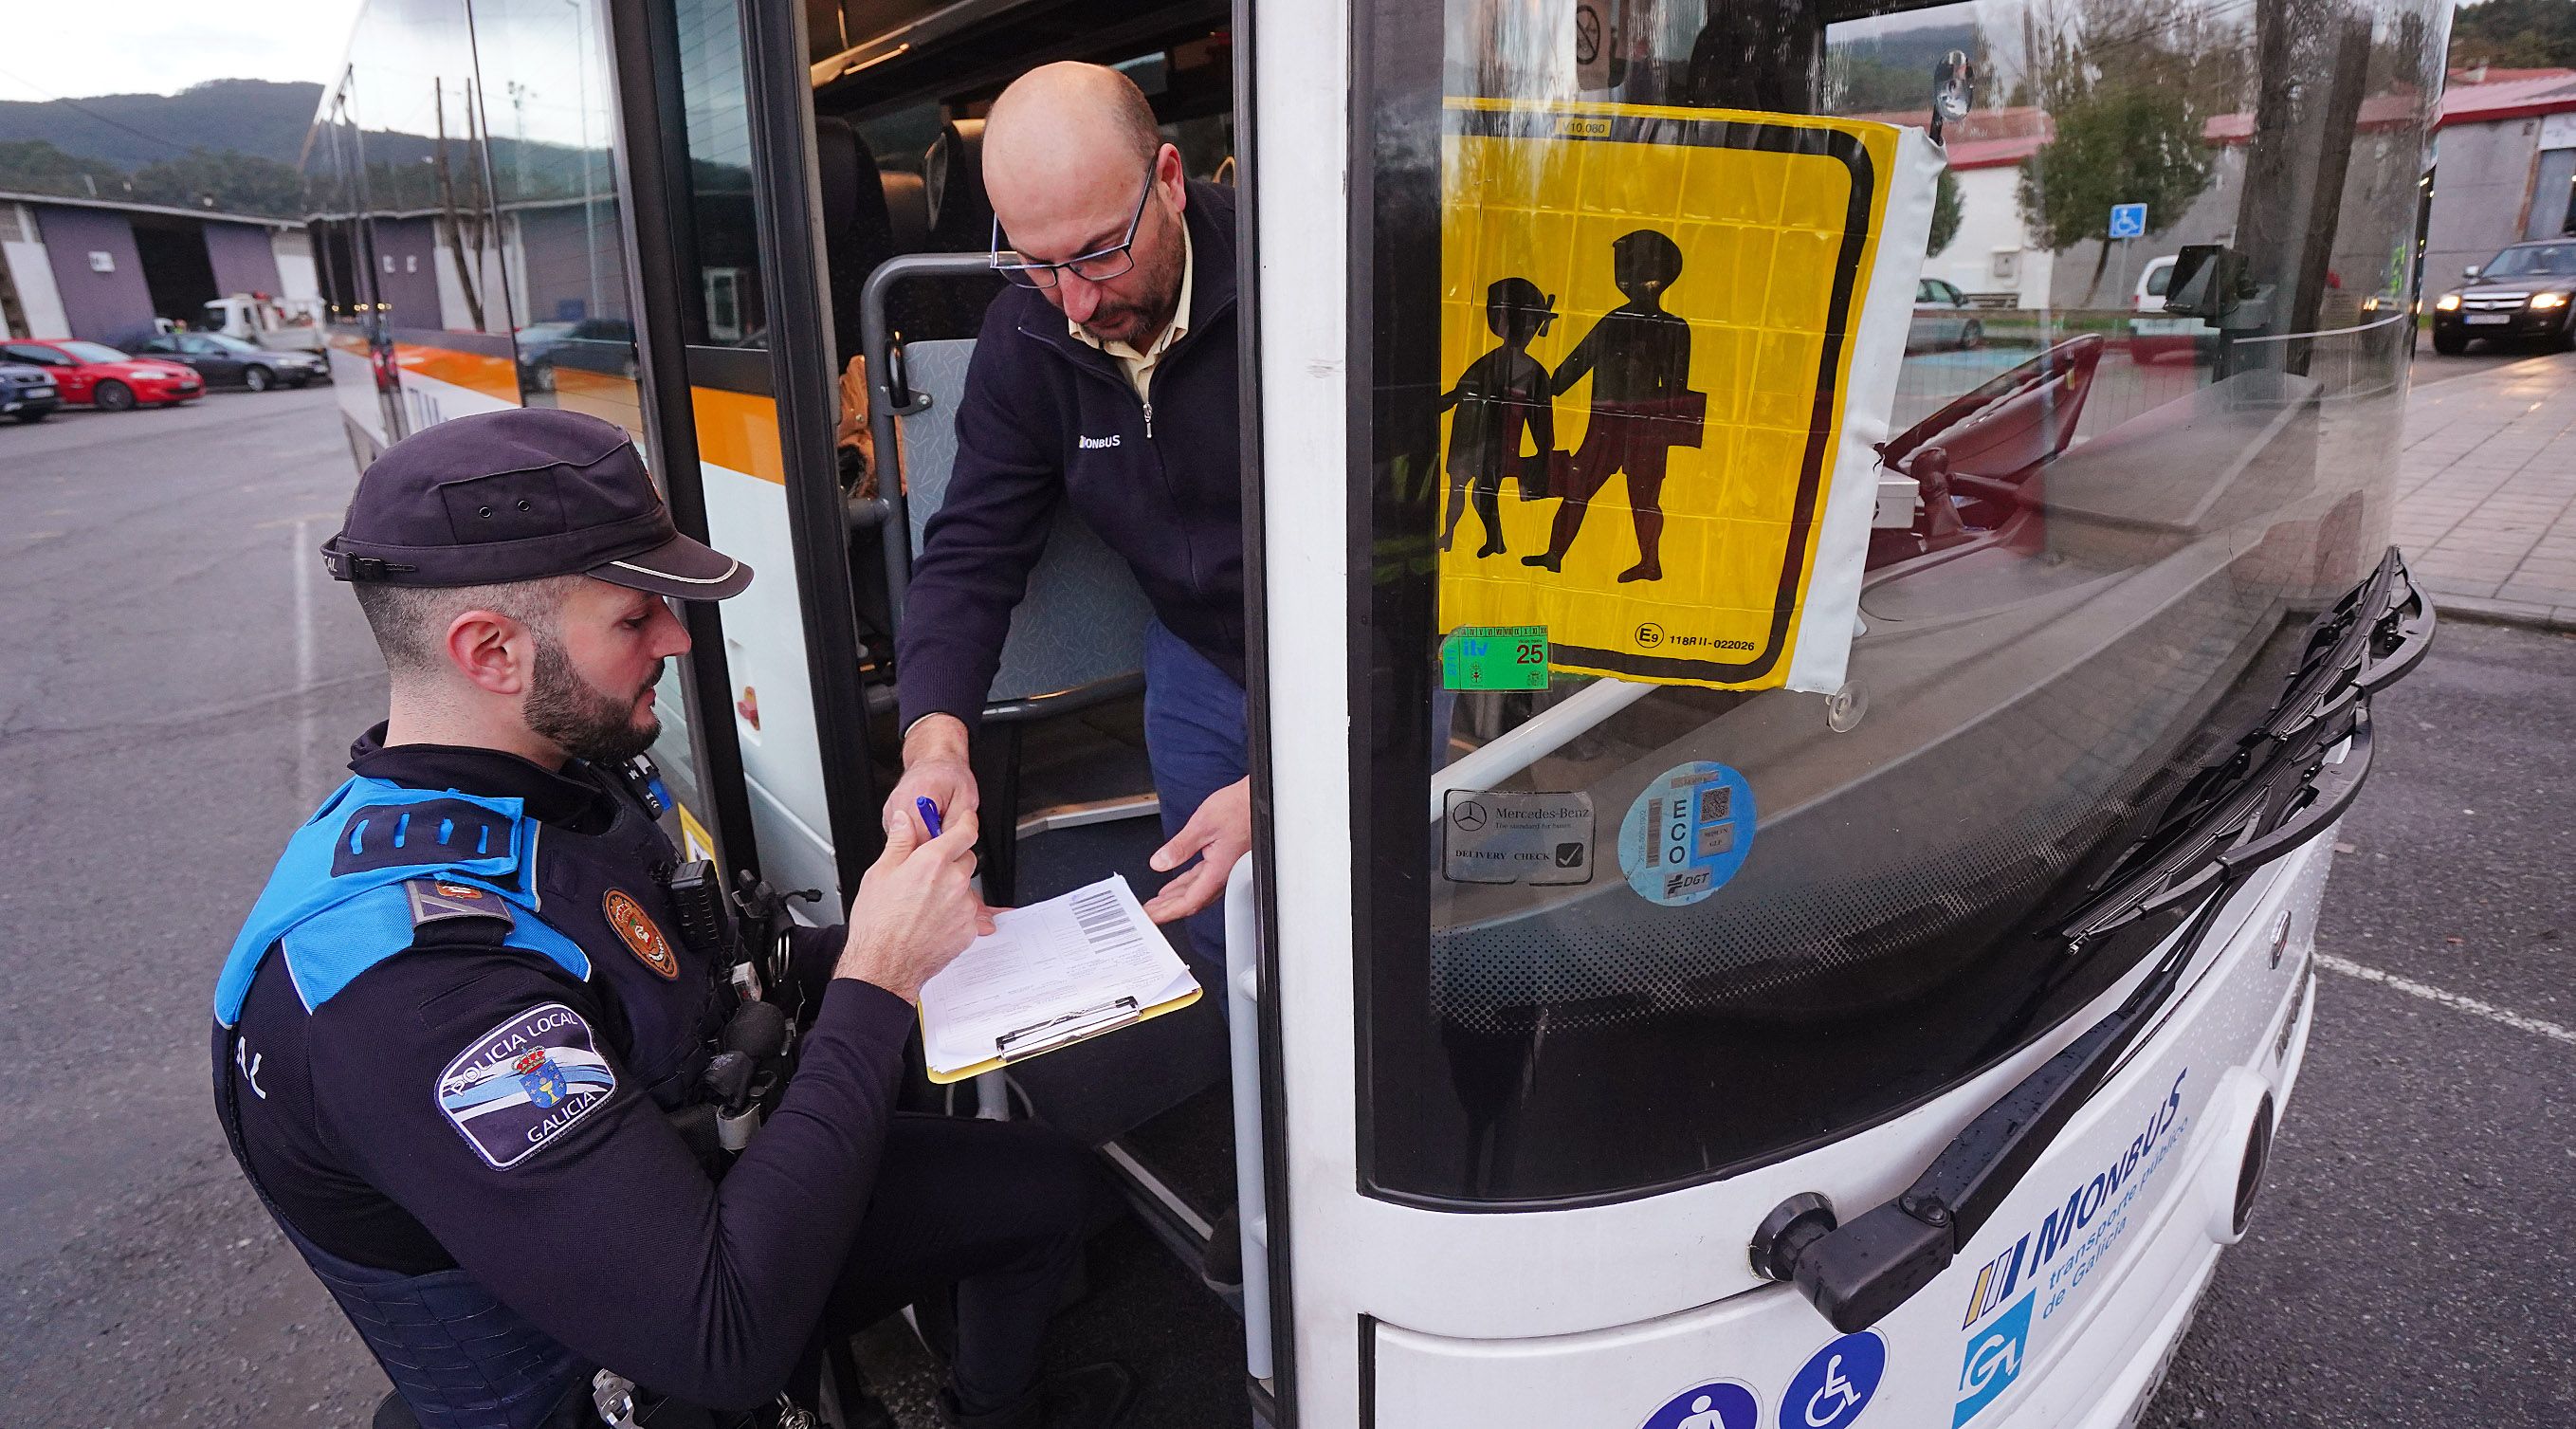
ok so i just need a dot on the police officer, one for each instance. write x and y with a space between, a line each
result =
459 1035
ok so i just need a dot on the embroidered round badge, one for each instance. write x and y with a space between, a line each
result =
638 933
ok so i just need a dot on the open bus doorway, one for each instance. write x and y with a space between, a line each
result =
907 231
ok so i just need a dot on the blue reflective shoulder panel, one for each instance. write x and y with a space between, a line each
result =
335 901
327 951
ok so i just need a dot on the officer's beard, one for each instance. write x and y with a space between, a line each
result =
581 719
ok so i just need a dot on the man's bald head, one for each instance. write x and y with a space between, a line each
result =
1071 159
1069 111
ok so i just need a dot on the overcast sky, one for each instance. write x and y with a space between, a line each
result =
57 49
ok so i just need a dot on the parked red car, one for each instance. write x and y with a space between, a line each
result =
105 378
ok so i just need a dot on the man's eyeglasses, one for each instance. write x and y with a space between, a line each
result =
1097 267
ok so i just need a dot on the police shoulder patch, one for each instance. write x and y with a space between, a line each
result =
524 1083
637 930
435 900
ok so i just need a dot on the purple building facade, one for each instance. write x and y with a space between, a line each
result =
97 269
244 259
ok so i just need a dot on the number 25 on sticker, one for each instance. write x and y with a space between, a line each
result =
1494 657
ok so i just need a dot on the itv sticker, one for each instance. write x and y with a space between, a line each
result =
1836 1383
1718 1404
1494 657
1497 836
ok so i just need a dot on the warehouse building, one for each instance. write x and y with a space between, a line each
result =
99 269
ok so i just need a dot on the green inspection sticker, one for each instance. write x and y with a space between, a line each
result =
1494 657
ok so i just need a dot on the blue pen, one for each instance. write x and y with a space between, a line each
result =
929 815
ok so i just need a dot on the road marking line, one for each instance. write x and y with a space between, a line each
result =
296 520
2450 1000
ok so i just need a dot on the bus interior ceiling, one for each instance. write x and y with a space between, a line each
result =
177 270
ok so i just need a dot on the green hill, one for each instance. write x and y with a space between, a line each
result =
263 119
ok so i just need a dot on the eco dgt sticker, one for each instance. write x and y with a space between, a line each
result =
1658 326
1687 834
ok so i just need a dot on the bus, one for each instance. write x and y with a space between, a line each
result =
1927 1081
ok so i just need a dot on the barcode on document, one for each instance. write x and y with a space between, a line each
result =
1104 923
1654 832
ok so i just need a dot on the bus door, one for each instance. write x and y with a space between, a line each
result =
1711 755
478 231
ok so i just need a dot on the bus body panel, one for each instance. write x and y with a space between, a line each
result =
353 384
746 497
2060 1310
439 381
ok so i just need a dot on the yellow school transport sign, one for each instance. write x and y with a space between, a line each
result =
1669 341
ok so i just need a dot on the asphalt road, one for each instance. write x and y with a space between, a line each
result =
178 684
2410 1263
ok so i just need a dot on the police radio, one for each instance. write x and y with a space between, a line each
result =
744 936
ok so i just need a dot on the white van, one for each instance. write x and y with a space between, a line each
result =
2155 336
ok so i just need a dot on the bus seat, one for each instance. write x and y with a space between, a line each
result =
858 233
961 218
1078 637
908 207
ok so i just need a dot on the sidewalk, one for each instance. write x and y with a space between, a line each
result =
2486 492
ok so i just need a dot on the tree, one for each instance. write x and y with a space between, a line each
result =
36 166
1948 207
237 182
2514 33
2130 86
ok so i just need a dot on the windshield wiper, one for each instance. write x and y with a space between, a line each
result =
2287 778
2277 782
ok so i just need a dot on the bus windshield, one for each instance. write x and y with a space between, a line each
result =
1620 933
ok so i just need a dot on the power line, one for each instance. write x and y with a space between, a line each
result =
75 104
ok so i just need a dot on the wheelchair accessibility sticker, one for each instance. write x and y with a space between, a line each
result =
1993 1361
1836 1383
1687 833
1719 1404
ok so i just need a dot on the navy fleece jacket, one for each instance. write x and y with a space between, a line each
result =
1047 418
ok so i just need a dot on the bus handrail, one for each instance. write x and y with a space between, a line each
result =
1546 732
1243 992
888 398
2373 325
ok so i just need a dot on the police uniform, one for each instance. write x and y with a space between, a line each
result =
451 1037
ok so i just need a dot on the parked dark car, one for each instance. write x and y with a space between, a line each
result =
603 345
105 378
2522 294
230 362
27 393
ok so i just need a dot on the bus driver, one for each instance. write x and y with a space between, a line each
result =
1105 376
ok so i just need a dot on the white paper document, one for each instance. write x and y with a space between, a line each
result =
1049 975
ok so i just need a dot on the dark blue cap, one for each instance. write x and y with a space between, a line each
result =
519 496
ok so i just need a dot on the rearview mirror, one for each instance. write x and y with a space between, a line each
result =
2207 281
2471 272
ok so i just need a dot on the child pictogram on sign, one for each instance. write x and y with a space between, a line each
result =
1499 396
1638 357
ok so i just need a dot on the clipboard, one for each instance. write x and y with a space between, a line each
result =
1070 969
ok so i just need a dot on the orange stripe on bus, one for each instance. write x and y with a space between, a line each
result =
739 432
604 395
494 377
